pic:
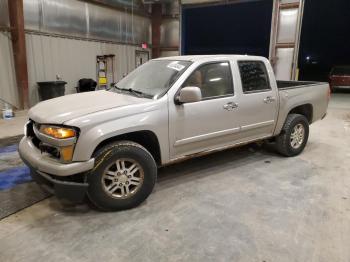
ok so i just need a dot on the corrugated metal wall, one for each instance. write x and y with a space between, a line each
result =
63 37
170 32
80 19
185 2
72 60
136 4
170 29
8 90
8 87
4 18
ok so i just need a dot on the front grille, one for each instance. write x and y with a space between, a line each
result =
30 130
44 148
30 133
53 151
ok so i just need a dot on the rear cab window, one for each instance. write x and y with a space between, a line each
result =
254 76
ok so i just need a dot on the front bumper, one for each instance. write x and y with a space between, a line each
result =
71 191
43 162
53 176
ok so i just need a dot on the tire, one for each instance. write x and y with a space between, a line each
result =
114 184
285 143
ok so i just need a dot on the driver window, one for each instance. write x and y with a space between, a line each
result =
213 79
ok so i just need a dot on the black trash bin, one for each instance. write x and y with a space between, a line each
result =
51 89
86 85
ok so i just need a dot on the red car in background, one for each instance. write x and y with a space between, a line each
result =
339 77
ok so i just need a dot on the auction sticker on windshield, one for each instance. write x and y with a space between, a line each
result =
174 65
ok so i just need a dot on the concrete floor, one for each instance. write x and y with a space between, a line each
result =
14 126
246 204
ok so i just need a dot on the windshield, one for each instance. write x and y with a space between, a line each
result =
154 78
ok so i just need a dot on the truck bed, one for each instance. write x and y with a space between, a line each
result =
294 84
314 95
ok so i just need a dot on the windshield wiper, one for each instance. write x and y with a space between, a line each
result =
130 90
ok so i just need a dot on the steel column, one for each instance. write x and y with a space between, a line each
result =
156 22
19 48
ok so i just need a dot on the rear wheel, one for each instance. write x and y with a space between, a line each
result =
123 177
294 135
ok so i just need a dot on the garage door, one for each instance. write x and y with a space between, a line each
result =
325 38
242 27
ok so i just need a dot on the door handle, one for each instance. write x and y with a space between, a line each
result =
269 99
230 106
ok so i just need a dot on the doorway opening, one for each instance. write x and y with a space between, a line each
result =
141 57
242 27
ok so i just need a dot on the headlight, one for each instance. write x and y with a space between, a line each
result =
57 132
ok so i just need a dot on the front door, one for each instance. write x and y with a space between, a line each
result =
209 123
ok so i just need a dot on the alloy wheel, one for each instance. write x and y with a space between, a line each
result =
297 136
123 178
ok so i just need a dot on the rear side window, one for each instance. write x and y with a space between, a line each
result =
254 76
214 80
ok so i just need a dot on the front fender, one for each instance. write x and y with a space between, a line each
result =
155 121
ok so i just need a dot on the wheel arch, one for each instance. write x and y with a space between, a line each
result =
305 110
145 138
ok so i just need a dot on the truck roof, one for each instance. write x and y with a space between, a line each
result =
195 58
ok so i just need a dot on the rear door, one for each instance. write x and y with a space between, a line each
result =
258 103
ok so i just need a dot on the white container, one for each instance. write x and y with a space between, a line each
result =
7 112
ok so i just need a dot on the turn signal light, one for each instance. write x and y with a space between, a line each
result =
58 132
66 153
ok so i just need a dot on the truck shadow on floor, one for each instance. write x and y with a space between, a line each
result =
178 174
214 163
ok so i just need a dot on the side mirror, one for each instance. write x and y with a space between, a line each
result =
189 94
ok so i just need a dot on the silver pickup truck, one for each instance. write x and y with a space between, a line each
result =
107 145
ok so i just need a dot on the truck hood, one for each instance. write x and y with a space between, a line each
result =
62 109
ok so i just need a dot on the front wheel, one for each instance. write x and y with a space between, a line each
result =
124 176
294 135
